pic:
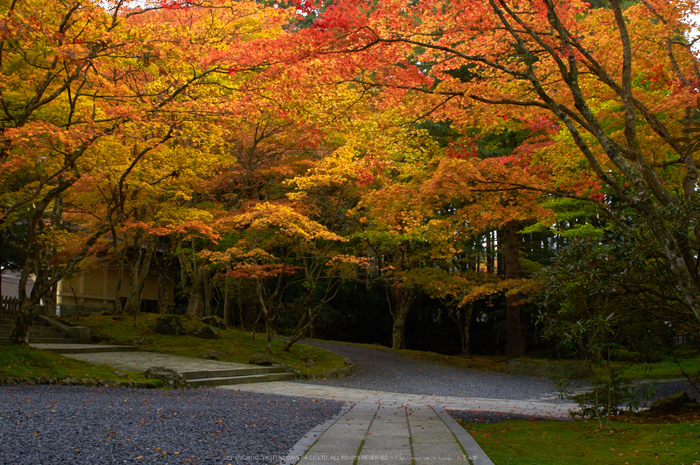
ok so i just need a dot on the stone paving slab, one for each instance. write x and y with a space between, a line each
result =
378 447
529 408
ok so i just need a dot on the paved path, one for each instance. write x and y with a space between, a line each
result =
141 361
529 408
390 434
388 428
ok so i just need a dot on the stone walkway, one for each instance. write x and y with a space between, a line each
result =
141 361
389 428
529 408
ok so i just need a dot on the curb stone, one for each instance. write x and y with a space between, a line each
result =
474 452
310 438
86 382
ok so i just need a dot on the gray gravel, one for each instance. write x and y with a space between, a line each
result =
77 425
384 370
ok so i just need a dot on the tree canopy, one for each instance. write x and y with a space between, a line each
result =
457 159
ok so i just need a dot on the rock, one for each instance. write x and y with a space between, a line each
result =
120 373
347 361
206 332
87 382
138 341
291 369
215 354
309 363
70 381
215 321
169 325
261 359
672 403
170 377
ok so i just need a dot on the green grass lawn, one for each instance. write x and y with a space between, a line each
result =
25 362
585 442
665 369
237 345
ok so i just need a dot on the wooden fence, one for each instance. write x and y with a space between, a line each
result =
9 306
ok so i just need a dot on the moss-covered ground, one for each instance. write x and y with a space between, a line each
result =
25 362
231 346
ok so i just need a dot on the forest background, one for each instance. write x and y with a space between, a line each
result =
472 176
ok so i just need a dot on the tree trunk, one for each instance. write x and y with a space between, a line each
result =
227 305
206 291
265 310
514 340
403 301
138 274
20 335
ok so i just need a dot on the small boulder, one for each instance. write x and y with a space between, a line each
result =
206 332
169 325
291 369
215 321
138 341
672 403
170 377
261 359
215 354
347 361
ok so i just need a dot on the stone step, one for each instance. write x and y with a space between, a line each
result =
67 347
232 372
44 329
34 332
262 378
49 340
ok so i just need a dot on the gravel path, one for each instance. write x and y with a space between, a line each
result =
383 370
77 425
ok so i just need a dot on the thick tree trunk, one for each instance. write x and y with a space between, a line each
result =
195 302
138 274
398 329
514 341
402 302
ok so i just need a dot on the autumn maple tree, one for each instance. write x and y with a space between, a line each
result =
94 96
615 83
